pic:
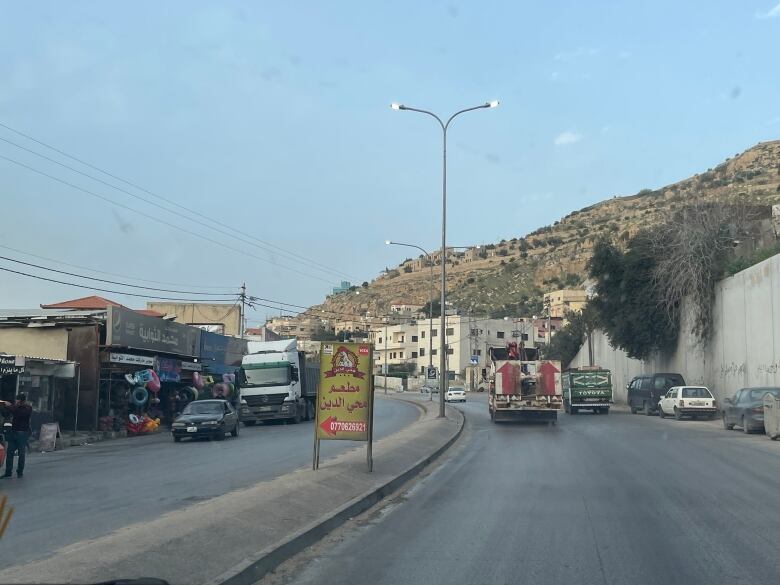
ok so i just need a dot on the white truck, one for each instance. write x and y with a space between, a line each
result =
522 387
276 383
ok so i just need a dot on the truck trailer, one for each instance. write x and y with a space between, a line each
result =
587 388
522 387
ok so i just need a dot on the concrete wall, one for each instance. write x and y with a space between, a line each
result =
49 342
744 349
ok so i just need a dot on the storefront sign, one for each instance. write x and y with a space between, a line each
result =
47 438
220 353
191 366
11 364
169 370
127 328
344 394
128 358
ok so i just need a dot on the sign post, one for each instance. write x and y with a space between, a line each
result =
345 397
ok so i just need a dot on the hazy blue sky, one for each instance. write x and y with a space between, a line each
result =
273 117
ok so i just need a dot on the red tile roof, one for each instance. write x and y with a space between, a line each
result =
91 302
149 313
254 330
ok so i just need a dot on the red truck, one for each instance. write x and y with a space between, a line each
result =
523 387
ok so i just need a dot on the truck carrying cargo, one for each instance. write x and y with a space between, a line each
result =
522 387
276 383
587 388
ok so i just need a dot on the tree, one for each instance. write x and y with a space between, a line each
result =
365 284
436 308
565 344
626 303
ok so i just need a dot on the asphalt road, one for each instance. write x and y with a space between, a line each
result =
89 491
616 499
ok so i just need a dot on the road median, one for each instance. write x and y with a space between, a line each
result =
236 538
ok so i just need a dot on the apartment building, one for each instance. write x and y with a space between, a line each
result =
564 300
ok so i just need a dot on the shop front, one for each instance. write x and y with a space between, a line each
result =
221 357
51 387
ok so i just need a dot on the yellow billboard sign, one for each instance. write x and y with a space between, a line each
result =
344 400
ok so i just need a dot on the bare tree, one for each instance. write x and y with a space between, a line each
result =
691 251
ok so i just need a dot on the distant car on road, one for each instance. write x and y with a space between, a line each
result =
455 394
206 418
693 401
429 389
645 391
746 408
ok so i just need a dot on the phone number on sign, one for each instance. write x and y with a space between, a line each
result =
356 427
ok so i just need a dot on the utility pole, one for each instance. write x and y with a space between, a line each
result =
243 309
386 365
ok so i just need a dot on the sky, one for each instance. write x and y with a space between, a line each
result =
271 121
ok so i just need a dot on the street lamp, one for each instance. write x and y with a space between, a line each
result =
444 127
430 300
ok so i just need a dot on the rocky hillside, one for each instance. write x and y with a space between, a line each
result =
510 276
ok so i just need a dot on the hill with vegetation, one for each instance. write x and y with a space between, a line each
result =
510 276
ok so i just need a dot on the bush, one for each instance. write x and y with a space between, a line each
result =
470 280
407 269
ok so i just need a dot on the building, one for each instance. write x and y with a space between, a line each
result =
352 326
221 318
260 334
343 287
300 326
405 309
405 347
562 301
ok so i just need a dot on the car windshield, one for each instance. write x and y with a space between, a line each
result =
204 408
757 394
320 214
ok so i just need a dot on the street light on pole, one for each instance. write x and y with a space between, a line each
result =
430 300
444 127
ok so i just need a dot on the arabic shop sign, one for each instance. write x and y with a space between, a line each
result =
344 393
126 328
127 358
11 364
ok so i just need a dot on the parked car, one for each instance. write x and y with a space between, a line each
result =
455 394
429 390
645 391
206 418
693 401
746 408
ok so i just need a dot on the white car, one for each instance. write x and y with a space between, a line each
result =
693 401
455 394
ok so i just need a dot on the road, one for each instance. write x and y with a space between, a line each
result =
616 499
89 491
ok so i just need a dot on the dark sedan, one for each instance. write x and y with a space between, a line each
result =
746 408
206 418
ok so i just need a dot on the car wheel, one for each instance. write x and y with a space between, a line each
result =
234 432
661 412
633 408
726 425
745 427
711 416
677 414
177 439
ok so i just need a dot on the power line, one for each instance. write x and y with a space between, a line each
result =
185 292
139 279
265 245
116 292
158 220
108 273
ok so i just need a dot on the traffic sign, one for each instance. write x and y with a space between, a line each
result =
431 373
474 360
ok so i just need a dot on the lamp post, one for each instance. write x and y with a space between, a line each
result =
443 344
430 297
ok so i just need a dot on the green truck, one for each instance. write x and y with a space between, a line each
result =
588 388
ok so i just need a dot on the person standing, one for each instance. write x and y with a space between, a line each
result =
19 436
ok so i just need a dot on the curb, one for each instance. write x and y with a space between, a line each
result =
260 564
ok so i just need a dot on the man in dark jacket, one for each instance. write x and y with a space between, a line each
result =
20 433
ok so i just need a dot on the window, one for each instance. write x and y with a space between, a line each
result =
422 334
500 334
450 351
402 339
524 337
414 354
434 333
449 331
422 352
422 369
434 351
414 338
646 384
479 352
380 340
400 355
696 393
